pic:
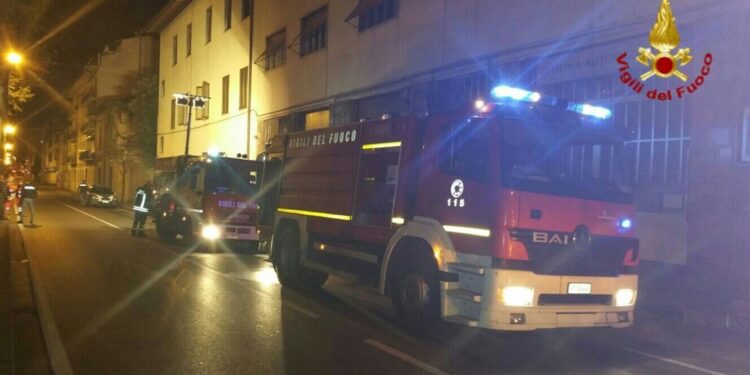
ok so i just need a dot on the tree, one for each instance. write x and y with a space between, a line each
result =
19 93
143 110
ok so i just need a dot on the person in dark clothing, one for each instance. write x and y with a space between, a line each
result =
141 207
4 195
28 194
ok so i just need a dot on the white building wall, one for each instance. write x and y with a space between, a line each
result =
225 54
430 35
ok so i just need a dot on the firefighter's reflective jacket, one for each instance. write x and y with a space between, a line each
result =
142 201
27 191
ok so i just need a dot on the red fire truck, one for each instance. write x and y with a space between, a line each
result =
212 198
513 216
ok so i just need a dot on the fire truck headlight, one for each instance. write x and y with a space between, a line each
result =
625 297
517 296
210 232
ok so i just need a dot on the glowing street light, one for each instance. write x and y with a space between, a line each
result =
14 58
9 129
8 146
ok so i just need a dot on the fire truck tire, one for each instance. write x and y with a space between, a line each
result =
287 261
416 295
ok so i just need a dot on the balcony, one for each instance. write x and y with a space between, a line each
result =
87 156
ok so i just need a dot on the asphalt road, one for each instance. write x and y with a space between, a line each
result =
120 304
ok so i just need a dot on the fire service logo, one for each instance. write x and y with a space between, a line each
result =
664 38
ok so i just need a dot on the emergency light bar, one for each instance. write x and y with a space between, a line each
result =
590 110
514 93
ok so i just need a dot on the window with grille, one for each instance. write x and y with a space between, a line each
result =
314 30
371 13
657 133
275 54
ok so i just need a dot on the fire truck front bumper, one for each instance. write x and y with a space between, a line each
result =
512 300
228 232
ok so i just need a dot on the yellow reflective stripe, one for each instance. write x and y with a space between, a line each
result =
315 214
479 232
375 146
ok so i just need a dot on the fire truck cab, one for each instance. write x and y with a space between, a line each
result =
211 198
512 216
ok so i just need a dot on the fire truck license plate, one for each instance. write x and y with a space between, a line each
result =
579 288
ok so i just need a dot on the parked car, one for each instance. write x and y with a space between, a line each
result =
101 196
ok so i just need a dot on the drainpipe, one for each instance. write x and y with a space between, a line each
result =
250 137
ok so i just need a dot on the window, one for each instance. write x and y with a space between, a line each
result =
467 152
247 8
203 90
227 14
174 50
376 187
370 13
314 31
189 40
161 144
209 13
243 87
275 54
173 114
225 95
163 88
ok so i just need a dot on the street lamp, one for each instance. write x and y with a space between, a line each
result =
190 101
14 58
9 147
9 129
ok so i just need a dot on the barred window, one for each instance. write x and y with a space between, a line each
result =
314 30
275 54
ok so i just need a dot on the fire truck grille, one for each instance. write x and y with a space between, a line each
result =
603 257
575 299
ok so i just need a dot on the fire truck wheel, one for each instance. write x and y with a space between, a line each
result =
416 295
286 262
313 279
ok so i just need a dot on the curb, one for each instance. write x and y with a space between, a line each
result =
55 349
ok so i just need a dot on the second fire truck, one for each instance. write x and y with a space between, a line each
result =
513 216
213 198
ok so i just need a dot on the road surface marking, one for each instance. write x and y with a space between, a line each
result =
405 357
91 216
674 362
55 348
300 310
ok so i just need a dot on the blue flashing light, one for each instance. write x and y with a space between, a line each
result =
502 92
590 110
625 223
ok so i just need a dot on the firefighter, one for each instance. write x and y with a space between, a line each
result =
141 206
4 195
27 193
83 189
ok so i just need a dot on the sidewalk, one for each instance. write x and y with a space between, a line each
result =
22 345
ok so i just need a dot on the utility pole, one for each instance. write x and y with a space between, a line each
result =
190 101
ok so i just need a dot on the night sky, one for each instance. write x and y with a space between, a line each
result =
60 59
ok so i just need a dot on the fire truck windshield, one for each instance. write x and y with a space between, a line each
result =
560 160
221 178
